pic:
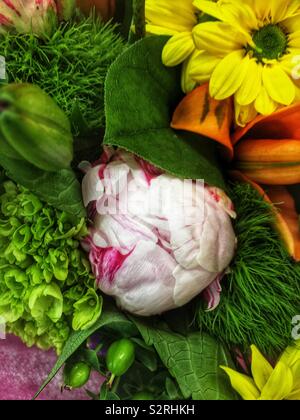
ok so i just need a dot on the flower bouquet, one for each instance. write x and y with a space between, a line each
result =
150 200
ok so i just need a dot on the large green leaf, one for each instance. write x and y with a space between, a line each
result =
193 360
110 316
59 189
140 96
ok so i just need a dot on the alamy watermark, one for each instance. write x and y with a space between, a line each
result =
2 68
296 327
2 328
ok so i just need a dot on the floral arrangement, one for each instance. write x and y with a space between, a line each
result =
150 200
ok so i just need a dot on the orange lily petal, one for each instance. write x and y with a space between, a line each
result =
270 162
201 114
287 218
282 124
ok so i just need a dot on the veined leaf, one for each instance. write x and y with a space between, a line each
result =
141 95
193 360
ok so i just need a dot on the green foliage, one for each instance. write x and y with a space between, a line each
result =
141 95
70 65
59 189
110 317
193 360
261 292
44 276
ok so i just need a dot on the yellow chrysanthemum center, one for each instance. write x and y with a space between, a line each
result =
270 43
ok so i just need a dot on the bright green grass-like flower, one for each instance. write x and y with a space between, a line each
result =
46 285
70 65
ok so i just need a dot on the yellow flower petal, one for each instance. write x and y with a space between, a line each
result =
176 15
264 104
291 24
218 38
278 85
238 14
187 81
229 75
261 8
261 368
295 368
244 385
291 355
159 30
244 114
251 85
280 383
293 396
278 10
178 49
203 66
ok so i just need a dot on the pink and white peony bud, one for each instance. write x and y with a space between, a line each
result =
37 16
157 241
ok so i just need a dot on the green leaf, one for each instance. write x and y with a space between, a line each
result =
145 354
59 189
141 96
91 358
110 316
193 360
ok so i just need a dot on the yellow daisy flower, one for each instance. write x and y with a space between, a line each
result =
176 18
249 51
280 383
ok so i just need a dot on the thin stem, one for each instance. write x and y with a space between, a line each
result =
139 19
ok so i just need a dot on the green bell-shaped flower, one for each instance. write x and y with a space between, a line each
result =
87 310
46 301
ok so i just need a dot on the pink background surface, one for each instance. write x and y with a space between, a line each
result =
23 370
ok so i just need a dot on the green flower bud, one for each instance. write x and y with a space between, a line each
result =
9 226
16 281
66 228
16 256
59 262
9 205
77 375
35 274
10 188
22 236
11 309
33 128
87 310
30 204
46 301
42 224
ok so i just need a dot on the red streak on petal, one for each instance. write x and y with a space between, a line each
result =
12 6
4 20
105 262
150 171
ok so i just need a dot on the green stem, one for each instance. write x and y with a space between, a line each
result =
115 385
139 20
